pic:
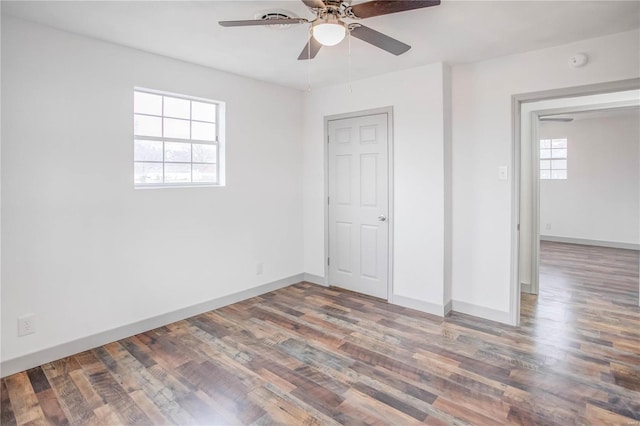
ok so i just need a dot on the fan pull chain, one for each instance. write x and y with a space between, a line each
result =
350 88
309 61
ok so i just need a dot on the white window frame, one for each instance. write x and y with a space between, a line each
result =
218 142
550 159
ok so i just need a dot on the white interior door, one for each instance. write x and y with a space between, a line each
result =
359 204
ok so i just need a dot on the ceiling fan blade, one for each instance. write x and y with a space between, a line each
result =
380 40
310 52
251 22
314 4
380 7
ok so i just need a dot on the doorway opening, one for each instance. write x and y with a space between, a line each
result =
589 209
527 110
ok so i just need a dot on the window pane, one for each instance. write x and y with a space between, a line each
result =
147 172
176 128
147 150
559 153
144 125
175 139
545 153
203 112
205 173
545 164
177 172
204 153
545 174
545 144
558 174
558 143
175 107
146 103
558 164
203 131
177 152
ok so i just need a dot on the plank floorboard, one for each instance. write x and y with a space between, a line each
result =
312 355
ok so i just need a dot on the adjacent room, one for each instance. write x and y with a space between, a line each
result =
588 200
590 203
309 212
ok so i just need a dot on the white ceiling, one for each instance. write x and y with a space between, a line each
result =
454 32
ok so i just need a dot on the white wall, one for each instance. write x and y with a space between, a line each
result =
482 138
600 200
416 96
81 248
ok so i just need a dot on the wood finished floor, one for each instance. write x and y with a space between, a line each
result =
311 355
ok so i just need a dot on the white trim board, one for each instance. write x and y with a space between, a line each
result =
586 242
315 279
34 359
478 311
421 305
481 312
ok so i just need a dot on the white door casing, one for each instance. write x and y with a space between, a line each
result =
358 184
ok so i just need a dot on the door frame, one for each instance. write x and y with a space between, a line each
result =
517 102
390 216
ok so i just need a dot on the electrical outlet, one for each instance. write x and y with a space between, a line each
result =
259 268
26 324
547 226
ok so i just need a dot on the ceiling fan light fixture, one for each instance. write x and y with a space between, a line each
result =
329 31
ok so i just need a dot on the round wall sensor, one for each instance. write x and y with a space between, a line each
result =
578 60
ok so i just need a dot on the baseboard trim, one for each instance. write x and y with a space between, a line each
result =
34 359
586 242
420 305
315 279
481 312
525 288
447 307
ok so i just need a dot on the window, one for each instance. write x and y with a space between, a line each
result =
176 140
553 158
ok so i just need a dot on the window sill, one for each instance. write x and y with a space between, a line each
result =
180 186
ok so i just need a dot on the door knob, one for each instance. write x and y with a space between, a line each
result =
382 218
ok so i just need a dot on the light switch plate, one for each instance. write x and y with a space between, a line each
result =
502 173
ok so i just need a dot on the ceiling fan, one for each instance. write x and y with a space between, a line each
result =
559 119
329 29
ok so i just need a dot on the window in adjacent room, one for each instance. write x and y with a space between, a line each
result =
553 158
177 140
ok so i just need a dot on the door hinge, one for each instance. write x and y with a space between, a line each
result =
328 261
327 200
518 227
